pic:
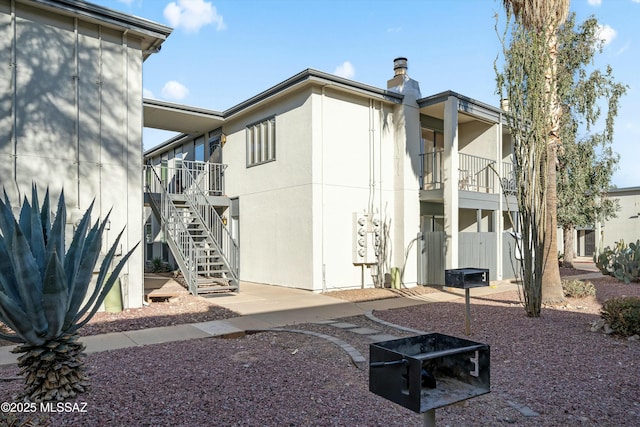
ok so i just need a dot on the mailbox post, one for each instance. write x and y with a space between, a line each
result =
430 371
466 278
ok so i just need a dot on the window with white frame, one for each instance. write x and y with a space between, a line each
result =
261 142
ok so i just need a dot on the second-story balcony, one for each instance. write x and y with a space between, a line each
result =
477 174
180 176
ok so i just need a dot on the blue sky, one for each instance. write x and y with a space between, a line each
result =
222 52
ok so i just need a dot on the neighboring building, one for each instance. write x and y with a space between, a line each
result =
71 113
292 170
626 225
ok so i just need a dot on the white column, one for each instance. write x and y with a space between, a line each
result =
450 175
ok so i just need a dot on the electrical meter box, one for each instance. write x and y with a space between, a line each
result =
366 238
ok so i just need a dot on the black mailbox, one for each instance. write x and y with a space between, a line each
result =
430 371
466 278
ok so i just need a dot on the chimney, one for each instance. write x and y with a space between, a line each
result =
401 82
400 66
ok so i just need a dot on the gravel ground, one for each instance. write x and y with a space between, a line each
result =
553 366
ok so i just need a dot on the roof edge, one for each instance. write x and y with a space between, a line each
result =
311 74
110 16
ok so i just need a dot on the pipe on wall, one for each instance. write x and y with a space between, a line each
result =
14 84
76 106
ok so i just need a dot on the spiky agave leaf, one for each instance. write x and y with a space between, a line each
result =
7 277
75 254
17 319
54 296
36 241
102 288
28 280
7 220
45 217
56 239
81 279
24 221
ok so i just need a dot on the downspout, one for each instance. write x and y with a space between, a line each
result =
14 97
372 169
324 276
500 217
99 83
125 123
76 94
380 122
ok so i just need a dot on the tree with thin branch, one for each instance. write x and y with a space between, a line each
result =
586 163
528 82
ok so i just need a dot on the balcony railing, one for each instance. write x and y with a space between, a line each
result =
508 181
474 173
179 176
431 178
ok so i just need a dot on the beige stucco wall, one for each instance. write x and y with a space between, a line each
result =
337 153
627 224
71 117
478 138
275 197
352 173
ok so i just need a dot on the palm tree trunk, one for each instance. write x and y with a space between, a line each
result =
551 282
567 233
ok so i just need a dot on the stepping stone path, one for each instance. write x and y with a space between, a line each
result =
372 334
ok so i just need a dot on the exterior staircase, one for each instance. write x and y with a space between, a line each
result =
183 197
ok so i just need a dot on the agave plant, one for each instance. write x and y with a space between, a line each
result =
44 293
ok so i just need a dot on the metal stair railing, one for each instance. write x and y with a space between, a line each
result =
220 237
178 236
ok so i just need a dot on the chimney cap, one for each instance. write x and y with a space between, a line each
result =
400 65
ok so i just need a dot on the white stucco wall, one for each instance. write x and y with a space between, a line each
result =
478 138
71 120
337 153
352 173
275 197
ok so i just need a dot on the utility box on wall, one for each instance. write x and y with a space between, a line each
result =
366 238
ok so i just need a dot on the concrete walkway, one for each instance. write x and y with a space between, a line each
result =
262 307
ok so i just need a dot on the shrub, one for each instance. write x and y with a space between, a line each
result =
621 262
577 288
159 266
622 315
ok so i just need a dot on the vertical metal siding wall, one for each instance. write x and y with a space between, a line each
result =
478 250
431 259
509 263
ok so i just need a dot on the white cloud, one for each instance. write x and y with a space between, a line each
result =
146 93
636 1
345 70
399 29
595 2
606 34
174 90
191 15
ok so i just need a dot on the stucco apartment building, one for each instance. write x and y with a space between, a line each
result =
71 113
625 226
302 185
313 175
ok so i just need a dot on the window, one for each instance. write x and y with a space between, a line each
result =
199 157
261 142
215 149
